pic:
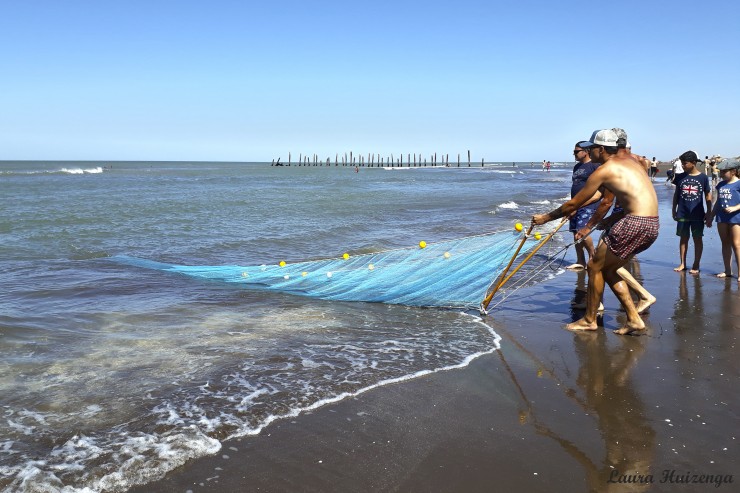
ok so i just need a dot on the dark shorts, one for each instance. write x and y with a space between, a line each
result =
632 235
580 219
690 228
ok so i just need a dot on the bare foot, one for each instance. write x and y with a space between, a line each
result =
575 267
680 268
722 275
582 306
629 328
694 270
581 324
643 305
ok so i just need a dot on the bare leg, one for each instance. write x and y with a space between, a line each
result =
580 258
646 299
594 292
698 250
735 234
725 236
617 284
683 247
588 244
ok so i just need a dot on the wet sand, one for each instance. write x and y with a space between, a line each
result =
551 411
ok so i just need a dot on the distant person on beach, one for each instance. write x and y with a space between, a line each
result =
653 169
676 169
713 163
688 209
624 151
581 171
631 234
727 212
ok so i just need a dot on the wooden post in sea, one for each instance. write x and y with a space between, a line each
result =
288 159
481 162
336 159
468 158
447 160
300 159
458 159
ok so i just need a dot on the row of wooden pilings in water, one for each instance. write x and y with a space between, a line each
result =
359 160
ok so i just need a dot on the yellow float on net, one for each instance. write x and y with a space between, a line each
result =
282 263
345 256
537 236
244 274
518 226
422 244
447 255
371 267
304 274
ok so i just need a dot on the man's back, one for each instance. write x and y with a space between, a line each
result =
627 180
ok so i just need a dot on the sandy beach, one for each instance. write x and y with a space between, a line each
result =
550 411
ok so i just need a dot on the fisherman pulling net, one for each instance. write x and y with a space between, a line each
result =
452 274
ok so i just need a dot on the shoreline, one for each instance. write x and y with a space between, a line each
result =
549 411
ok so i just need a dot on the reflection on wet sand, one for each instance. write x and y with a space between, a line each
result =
730 312
604 377
604 389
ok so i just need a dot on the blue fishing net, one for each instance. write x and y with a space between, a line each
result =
454 273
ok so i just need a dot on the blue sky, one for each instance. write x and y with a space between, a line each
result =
252 81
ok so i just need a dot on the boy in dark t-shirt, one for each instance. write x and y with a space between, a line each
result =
692 191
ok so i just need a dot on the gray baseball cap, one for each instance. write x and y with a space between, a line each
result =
606 137
728 164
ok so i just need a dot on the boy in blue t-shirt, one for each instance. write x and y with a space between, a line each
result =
688 209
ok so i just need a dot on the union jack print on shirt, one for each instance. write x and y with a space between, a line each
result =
691 189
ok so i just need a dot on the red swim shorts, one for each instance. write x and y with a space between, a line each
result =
632 235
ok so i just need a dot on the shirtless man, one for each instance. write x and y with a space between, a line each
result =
624 150
631 234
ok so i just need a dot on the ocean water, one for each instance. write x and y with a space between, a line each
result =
112 375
